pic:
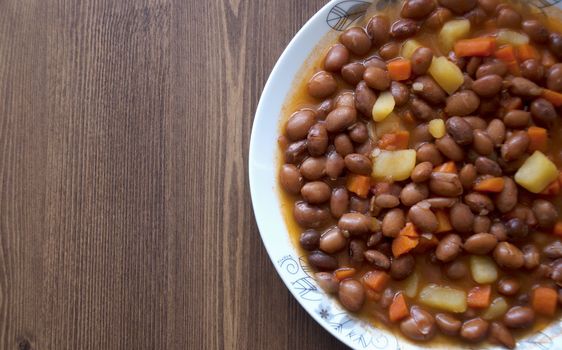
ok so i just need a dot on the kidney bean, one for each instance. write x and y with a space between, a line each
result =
386 200
531 256
499 334
533 70
420 325
489 106
403 28
296 152
393 222
322 261
299 123
482 224
336 57
448 324
290 178
413 193
358 163
459 7
327 282
489 6
343 144
417 9
421 110
508 18
545 212
377 78
402 267
555 44
535 30
423 218
456 270
322 84
439 202
462 103
313 168
480 243
474 330
352 73
323 108
467 175
400 93
495 67
310 216
461 217
386 298
508 286
449 247
519 317
316 192
479 203
524 87
359 133
507 198
517 118
496 131
543 112
340 119
554 271
356 223
445 184
339 202
334 165
553 250
476 16
476 122
421 172
448 147
429 153
487 166
471 67
515 146
351 294
499 230
356 40
366 148
389 50
437 18
516 228
421 60
346 98
357 248
554 77
488 85
420 135
378 29
317 140
359 205
332 241
365 99
508 256
309 240
427 88
460 130
378 259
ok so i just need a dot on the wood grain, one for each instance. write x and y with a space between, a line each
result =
125 218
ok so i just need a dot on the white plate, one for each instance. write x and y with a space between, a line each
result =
292 267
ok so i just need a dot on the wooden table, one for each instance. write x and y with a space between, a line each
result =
125 216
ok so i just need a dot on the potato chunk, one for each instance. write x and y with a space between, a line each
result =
383 106
393 165
506 36
452 31
497 308
408 48
483 269
446 74
443 298
437 128
536 173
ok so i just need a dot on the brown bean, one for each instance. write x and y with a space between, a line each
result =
531 256
296 152
316 192
340 119
495 67
508 256
378 29
448 324
352 73
508 286
402 267
389 50
437 18
332 241
449 148
366 148
460 130
322 261
467 175
480 243
471 67
378 259
488 85
290 178
488 5
359 133
403 29
516 228
420 325
356 223
476 122
515 146
554 271
479 203
417 9
421 110
519 317
393 221
429 153
486 166
327 282
533 70
421 172
339 202
474 330
386 200
336 57
351 294
457 270
476 16
449 247
317 140
310 216
535 30
420 135
299 123
496 131
553 250
507 198
309 240
359 205
377 78
508 18
345 98
554 77
555 44
421 60
545 212
334 165
356 40
428 89
482 143
323 108
461 217
358 163
445 184
517 118
524 87
462 103
343 144
365 98
400 93
322 85
439 202
458 6
543 112
423 218
357 248
500 334
313 168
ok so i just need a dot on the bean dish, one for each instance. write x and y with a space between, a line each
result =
420 170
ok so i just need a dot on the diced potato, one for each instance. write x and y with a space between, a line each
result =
506 36
443 298
389 125
408 48
411 285
536 173
446 74
453 31
497 308
483 269
437 128
394 165
383 106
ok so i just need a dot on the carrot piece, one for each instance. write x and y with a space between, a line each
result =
506 53
447 167
343 273
492 184
395 141
558 228
427 241
553 97
544 301
479 297
475 47
403 244
358 184
538 139
409 231
526 52
399 69
443 220
398 309
376 280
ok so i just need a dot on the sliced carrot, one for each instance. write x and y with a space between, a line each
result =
447 167
358 184
553 97
343 273
479 297
544 301
553 189
443 220
399 69
491 184
475 47
403 244
376 280
506 53
538 138
526 52
558 229
409 231
398 309
427 242
395 141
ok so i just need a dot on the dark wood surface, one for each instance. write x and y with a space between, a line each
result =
125 218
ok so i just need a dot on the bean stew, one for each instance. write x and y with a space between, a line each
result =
420 170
